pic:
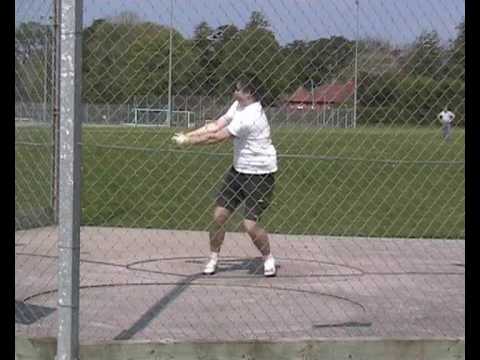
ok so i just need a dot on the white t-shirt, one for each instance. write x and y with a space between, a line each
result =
446 117
254 152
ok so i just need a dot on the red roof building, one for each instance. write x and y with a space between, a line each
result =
325 95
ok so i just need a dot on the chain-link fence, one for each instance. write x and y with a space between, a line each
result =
367 217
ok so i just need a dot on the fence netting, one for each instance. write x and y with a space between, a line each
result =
367 218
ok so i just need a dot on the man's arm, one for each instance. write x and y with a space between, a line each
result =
210 138
202 138
212 127
210 133
217 125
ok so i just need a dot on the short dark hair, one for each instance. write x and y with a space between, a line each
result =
250 84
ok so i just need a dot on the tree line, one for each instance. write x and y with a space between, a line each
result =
125 57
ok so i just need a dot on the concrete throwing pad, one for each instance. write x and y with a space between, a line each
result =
142 284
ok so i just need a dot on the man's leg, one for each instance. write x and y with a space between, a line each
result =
260 238
260 192
217 233
227 201
258 235
449 132
446 131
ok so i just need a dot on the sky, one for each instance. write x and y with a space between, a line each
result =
398 21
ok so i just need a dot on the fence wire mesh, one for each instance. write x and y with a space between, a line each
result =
367 217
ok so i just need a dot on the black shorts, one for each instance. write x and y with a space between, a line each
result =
255 190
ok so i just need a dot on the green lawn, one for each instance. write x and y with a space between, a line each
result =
134 177
33 173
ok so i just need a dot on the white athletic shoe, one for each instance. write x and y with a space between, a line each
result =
269 268
211 266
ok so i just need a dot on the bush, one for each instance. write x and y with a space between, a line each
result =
397 99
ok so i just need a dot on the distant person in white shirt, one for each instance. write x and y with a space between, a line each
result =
251 178
446 118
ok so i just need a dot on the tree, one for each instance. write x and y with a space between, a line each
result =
322 61
126 60
254 51
459 43
327 58
126 18
375 57
204 41
222 40
457 54
202 32
31 38
32 59
257 21
294 59
426 56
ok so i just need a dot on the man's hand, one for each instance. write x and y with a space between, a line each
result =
181 139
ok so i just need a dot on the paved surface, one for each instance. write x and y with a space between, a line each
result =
146 284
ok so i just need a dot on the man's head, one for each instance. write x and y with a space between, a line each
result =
246 90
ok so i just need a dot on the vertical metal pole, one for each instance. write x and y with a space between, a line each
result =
356 68
323 114
55 105
45 88
69 184
170 58
186 109
313 95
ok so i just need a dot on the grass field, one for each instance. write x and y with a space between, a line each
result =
330 181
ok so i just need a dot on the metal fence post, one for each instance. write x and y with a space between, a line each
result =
55 105
69 180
